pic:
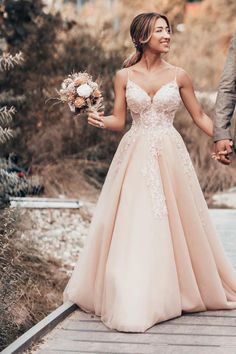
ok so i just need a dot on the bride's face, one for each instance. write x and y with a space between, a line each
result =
160 39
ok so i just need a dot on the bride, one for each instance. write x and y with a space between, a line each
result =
152 251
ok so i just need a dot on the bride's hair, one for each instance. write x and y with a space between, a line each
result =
141 30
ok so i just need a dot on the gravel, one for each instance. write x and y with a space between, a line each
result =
58 233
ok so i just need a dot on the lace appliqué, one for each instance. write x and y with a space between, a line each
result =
153 118
188 169
153 179
130 138
185 158
154 128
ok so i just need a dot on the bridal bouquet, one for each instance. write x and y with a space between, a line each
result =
81 93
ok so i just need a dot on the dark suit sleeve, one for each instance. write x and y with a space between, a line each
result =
226 96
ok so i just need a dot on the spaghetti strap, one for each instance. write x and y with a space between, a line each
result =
176 69
128 74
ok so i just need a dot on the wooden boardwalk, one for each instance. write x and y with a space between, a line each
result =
70 330
198 333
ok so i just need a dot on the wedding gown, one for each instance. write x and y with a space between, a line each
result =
152 251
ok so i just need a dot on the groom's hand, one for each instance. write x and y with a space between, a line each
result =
223 148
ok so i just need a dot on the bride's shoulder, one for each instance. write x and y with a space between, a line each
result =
182 76
122 73
121 76
181 72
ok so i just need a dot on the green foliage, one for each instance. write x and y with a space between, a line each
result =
6 115
5 134
10 184
8 61
19 19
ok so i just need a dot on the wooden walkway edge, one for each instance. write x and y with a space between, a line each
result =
35 333
192 333
45 203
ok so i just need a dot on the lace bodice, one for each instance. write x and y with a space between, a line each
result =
153 111
152 123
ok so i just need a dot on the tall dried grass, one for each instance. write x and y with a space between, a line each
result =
30 285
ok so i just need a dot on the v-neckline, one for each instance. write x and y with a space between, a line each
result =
152 97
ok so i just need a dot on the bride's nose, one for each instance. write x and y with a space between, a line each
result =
166 34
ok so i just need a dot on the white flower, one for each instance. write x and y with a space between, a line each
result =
84 90
71 87
94 85
64 86
72 107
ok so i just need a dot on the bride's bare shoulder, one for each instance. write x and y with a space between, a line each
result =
183 77
121 76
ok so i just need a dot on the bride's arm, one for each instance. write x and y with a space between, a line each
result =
191 103
115 121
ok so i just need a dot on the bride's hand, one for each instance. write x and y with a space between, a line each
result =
96 119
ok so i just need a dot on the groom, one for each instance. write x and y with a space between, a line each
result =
224 108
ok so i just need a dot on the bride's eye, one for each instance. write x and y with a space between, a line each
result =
159 30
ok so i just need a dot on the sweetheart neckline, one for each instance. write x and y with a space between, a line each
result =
152 98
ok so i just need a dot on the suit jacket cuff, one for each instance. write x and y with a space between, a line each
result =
222 135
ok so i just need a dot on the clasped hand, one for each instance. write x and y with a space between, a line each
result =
222 151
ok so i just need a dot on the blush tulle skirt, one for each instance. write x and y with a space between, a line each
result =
152 251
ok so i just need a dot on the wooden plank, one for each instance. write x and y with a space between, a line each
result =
96 347
80 336
70 329
153 346
158 350
183 321
40 329
204 317
218 313
45 199
42 203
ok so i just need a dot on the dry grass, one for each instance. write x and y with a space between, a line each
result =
30 285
